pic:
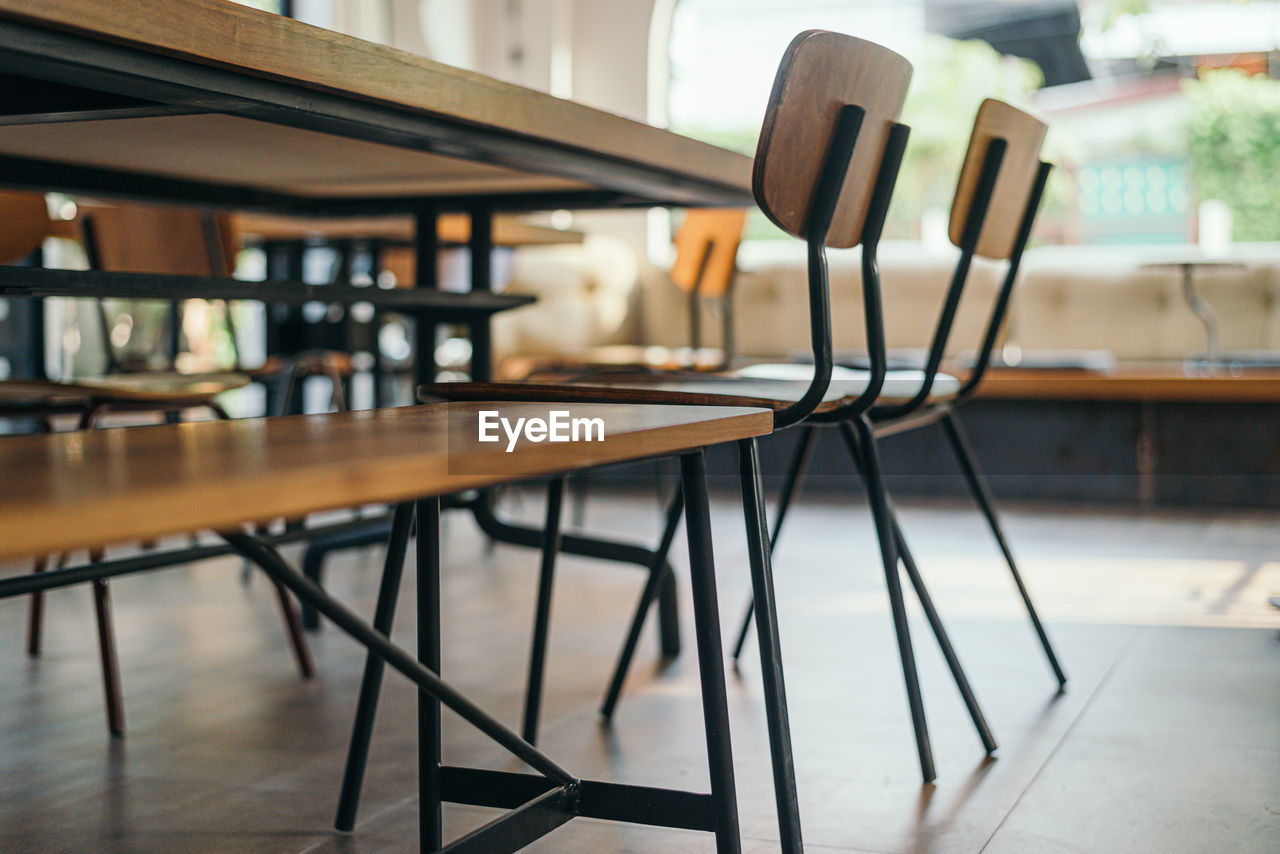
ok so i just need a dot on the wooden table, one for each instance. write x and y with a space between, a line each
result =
241 109
1133 382
70 490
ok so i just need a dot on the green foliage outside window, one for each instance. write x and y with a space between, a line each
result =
1233 134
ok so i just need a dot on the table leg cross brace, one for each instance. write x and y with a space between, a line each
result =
538 803
380 645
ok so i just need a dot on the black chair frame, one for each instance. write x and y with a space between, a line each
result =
860 432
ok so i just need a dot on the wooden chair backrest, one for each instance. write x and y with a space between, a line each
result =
820 73
24 224
719 228
137 238
1024 136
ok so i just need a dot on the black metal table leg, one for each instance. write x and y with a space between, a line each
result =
959 442
775 694
429 737
795 477
862 445
480 248
371 683
537 803
542 616
706 614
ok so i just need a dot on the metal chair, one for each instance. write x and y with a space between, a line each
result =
825 169
999 192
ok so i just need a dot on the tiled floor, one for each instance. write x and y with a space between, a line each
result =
1167 739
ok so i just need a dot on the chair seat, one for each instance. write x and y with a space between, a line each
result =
693 389
158 386
899 384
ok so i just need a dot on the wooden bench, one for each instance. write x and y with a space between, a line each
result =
71 490
1140 382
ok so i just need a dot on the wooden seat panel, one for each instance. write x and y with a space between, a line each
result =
692 389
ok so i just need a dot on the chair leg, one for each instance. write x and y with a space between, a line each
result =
944 640
35 613
935 623
963 451
659 579
313 568
858 436
784 773
371 684
706 615
542 615
795 477
293 627
107 649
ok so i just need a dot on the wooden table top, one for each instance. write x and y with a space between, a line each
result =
451 229
219 102
73 490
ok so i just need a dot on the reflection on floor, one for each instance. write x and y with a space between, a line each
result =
1166 740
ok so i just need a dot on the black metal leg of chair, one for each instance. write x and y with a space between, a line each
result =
107 649
935 623
35 614
542 616
706 615
313 568
959 442
430 830
660 578
293 628
944 640
858 437
795 477
775 694
371 684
